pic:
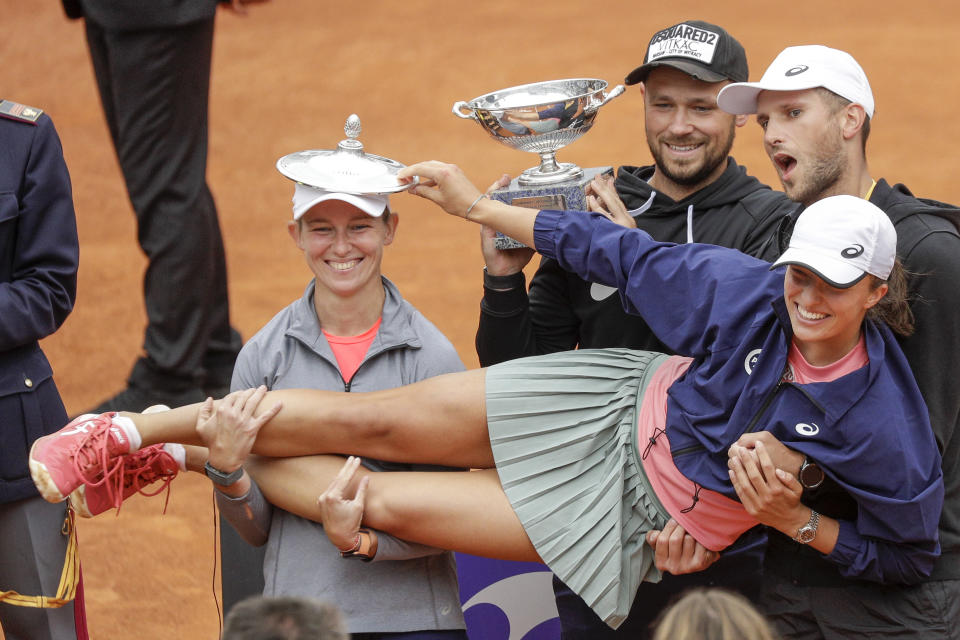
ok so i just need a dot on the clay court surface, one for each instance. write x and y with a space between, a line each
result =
286 76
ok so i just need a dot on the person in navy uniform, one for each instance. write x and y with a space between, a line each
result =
39 254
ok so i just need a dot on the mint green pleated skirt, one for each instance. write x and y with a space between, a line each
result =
563 432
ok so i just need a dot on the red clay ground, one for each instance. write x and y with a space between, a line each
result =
286 77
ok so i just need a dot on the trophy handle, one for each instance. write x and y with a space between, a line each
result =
607 97
458 108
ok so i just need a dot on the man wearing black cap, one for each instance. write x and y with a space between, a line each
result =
694 192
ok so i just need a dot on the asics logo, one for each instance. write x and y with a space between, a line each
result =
83 427
751 360
853 251
795 71
805 429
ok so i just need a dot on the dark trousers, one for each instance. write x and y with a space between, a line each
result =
806 598
739 572
31 561
860 610
154 86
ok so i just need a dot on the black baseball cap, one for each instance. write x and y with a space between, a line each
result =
700 49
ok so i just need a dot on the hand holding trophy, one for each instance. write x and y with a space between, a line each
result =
542 118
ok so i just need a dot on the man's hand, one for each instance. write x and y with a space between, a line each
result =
340 513
230 428
782 456
602 197
501 262
677 552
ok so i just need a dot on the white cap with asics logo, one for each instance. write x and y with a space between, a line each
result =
841 239
798 68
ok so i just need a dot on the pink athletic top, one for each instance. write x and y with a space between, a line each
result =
717 521
350 350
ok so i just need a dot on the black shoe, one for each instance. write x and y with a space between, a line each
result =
137 399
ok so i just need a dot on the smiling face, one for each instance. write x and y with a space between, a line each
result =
802 135
688 135
826 320
343 246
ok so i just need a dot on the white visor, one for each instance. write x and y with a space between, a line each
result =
305 198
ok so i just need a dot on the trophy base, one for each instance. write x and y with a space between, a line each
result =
565 195
536 177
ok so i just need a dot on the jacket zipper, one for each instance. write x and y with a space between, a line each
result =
750 427
347 385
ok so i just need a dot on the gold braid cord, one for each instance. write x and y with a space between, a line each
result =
68 577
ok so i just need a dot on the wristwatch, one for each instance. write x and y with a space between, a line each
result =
811 475
222 478
362 547
807 533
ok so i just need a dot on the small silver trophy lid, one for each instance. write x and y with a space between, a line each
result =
352 128
346 169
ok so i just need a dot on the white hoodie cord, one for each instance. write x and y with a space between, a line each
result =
646 205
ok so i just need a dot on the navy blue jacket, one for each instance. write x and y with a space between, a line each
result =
38 284
868 429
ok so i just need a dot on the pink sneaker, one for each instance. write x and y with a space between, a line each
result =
138 470
84 451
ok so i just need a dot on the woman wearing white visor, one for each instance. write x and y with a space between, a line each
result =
351 331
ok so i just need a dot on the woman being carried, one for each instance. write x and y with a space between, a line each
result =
575 445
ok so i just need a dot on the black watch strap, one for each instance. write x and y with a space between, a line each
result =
222 478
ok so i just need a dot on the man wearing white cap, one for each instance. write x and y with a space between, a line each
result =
350 331
815 106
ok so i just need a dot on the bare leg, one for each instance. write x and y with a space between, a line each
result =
463 511
441 420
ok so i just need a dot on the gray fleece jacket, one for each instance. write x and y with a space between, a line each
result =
408 587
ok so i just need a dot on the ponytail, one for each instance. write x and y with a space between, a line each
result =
893 309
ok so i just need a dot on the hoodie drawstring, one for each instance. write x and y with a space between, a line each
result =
649 203
646 205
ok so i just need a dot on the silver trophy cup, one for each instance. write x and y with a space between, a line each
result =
541 118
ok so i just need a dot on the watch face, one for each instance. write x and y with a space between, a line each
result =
811 476
806 534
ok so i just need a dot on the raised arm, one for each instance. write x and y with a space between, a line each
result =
682 291
448 187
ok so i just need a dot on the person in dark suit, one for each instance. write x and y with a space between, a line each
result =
152 67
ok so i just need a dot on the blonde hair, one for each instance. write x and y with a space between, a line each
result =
712 614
